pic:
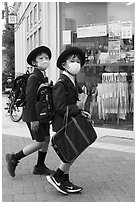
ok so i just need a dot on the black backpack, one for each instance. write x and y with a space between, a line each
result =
19 88
44 105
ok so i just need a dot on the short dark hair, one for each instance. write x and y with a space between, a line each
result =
36 55
74 55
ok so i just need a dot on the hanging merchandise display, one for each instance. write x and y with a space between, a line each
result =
113 96
130 81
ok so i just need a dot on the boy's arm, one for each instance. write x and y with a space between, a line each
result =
31 97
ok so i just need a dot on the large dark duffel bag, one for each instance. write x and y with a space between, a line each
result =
70 141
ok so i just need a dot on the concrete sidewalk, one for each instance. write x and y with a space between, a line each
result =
105 170
106 176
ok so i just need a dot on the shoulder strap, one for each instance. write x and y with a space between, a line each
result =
64 83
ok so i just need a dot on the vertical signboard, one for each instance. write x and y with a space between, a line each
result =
126 30
114 30
12 19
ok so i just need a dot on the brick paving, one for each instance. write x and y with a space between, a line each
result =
105 170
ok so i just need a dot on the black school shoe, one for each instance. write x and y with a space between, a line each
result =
11 164
71 188
42 170
57 183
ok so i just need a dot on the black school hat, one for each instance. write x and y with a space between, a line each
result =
32 55
70 51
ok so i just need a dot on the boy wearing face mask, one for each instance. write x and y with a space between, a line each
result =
70 61
39 58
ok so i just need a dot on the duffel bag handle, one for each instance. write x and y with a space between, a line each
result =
65 133
66 118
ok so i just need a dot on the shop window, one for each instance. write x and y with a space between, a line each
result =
35 14
39 36
27 45
35 39
31 42
108 73
31 19
27 23
39 10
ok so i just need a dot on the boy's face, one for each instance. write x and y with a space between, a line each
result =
72 59
72 64
42 61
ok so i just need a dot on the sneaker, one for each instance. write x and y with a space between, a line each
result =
11 164
42 170
56 182
71 188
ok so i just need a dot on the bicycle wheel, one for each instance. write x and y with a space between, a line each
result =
15 112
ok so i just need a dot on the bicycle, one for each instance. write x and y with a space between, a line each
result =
14 111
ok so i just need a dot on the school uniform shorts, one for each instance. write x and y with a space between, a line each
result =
43 131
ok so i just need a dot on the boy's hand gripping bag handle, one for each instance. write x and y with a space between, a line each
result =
66 119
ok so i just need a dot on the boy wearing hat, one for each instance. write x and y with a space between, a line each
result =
39 58
70 62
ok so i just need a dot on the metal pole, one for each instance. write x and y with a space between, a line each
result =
6 12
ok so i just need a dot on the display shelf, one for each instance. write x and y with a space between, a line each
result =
108 64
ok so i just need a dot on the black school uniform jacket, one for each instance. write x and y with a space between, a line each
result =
63 98
33 83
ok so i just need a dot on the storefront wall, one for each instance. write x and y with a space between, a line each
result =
37 25
52 33
20 41
51 20
76 14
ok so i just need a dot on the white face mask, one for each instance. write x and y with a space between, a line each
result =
44 64
74 67
42 61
